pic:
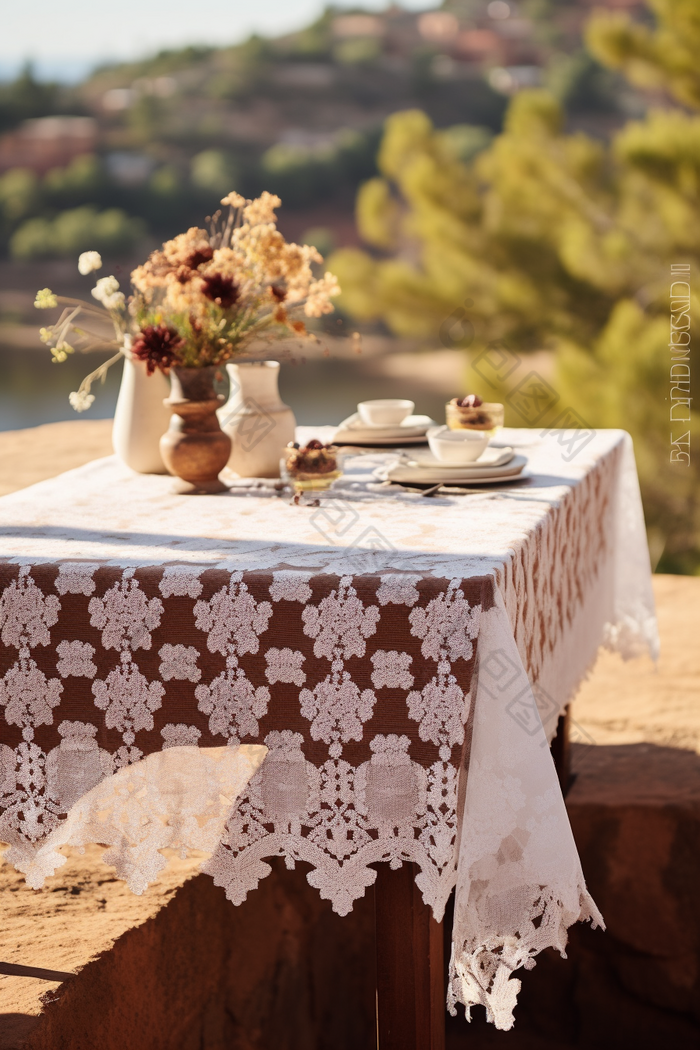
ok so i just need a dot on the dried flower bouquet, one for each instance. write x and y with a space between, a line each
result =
200 300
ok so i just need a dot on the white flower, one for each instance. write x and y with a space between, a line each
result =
111 302
105 288
80 401
88 262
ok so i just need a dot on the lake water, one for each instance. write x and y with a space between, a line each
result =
33 390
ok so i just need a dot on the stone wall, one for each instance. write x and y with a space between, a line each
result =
635 813
281 971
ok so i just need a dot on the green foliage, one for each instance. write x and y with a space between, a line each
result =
664 56
239 70
146 118
83 180
111 232
25 98
378 214
558 243
314 42
19 195
467 140
321 238
165 63
214 172
582 85
166 182
357 51
301 175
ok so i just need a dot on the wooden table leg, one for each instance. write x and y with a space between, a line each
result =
410 965
561 750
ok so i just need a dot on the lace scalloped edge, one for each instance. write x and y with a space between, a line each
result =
482 973
632 638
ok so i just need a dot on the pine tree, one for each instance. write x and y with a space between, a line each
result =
559 242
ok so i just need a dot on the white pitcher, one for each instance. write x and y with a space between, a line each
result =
255 418
141 418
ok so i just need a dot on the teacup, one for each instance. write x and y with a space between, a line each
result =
385 412
456 447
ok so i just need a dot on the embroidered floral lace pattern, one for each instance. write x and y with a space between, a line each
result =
336 812
341 788
354 669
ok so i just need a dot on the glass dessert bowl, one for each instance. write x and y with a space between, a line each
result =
471 413
311 467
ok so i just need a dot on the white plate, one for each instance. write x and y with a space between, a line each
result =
489 458
465 475
412 431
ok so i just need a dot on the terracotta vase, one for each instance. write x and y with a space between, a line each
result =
194 448
140 418
256 419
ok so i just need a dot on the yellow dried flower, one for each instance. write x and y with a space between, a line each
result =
60 353
320 293
262 209
233 199
45 299
188 249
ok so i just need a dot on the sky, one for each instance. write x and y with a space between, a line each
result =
65 38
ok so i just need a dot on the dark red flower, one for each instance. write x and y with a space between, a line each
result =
199 256
157 345
221 290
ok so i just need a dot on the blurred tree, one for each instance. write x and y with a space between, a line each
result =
27 97
20 194
583 85
559 242
81 181
314 42
300 174
321 238
147 117
466 140
111 232
240 69
662 56
214 172
166 182
357 51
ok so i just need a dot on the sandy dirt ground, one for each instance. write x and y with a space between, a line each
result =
634 702
80 913
28 456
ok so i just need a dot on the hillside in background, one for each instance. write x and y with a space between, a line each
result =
141 150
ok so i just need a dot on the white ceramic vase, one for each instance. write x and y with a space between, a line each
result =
141 418
255 418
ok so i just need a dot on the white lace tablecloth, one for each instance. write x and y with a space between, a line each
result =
403 659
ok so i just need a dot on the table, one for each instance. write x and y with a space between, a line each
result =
403 660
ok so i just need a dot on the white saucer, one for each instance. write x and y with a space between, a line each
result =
352 431
471 475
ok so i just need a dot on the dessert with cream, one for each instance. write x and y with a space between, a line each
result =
313 465
471 413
